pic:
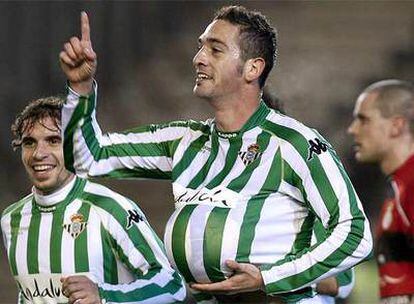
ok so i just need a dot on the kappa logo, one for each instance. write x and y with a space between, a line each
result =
133 216
77 225
252 153
316 146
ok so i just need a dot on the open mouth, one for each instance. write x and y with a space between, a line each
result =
202 77
42 169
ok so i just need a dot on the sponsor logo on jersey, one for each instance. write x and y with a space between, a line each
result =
219 196
252 153
133 216
316 147
77 225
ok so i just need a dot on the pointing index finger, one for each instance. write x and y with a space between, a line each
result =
85 29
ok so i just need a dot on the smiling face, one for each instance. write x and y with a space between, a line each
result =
218 63
371 131
42 156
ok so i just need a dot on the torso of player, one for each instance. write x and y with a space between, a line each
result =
228 207
395 242
45 245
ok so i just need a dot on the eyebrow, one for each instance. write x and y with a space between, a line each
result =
212 40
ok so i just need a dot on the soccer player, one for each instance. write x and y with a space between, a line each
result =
247 184
74 241
383 131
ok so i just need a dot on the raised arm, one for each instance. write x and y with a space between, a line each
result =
78 60
142 152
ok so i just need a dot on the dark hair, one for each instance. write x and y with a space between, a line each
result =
36 111
257 37
395 97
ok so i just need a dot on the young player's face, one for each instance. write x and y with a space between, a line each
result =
371 131
218 63
42 156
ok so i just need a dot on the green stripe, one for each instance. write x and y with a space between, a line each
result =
241 181
81 243
231 157
33 241
109 261
178 241
213 238
118 213
15 218
201 175
137 172
254 207
345 278
140 294
70 130
189 155
56 242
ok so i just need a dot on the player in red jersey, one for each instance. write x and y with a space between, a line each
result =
383 131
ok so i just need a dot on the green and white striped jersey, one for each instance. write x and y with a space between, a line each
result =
345 280
86 228
251 196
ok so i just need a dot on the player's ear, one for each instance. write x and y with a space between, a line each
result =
253 68
399 125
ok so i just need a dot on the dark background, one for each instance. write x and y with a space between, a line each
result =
328 52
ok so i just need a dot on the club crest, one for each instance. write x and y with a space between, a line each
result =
77 225
252 153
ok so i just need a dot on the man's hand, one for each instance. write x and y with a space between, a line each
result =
80 290
328 286
246 277
78 60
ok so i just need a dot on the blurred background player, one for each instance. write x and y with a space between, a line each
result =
383 131
94 241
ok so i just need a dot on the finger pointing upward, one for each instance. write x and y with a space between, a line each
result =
85 29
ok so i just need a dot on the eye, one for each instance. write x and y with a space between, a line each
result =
28 143
55 141
216 50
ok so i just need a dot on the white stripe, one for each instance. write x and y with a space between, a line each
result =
168 237
105 166
45 231
280 221
160 135
6 229
67 253
21 244
231 236
195 240
95 251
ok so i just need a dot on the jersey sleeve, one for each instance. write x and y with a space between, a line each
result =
312 166
346 282
140 250
141 152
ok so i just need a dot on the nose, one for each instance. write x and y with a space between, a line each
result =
40 152
351 128
200 57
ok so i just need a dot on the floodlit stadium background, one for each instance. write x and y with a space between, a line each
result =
328 52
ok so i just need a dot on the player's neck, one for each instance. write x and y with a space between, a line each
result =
233 113
397 155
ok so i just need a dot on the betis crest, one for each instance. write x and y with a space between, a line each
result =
77 225
251 154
